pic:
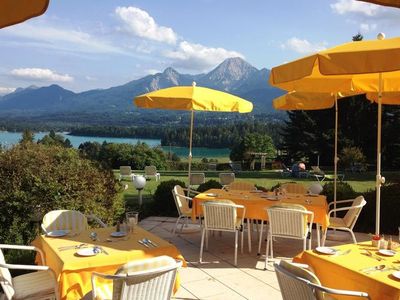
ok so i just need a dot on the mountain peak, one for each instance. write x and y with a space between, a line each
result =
170 71
229 72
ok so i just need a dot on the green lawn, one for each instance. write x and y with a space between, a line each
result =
360 182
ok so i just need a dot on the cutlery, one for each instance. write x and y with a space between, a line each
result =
147 241
72 247
370 270
339 253
102 250
369 253
143 243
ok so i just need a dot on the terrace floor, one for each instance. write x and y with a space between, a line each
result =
217 277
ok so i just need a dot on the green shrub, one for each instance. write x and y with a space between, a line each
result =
351 156
344 191
390 206
164 203
35 179
210 184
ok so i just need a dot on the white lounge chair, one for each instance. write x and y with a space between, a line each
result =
151 171
226 178
125 172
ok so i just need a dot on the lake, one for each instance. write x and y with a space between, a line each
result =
8 139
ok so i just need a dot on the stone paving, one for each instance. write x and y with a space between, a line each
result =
217 277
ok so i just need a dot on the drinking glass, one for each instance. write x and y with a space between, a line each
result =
132 218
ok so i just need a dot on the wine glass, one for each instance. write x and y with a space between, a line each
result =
132 218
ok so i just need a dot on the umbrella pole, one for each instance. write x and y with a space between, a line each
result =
190 148
336 157
379 178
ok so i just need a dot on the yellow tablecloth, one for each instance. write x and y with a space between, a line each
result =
344 271
74 272
255 202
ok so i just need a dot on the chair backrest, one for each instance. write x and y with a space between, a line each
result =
288 220
241 186
290 283
226 178
294 188
125 170
297 283
315 188
220 215
146 279
197 178
317 170
6 279
180 200
350 218
150 170
64 219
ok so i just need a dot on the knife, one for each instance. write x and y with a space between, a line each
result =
142 243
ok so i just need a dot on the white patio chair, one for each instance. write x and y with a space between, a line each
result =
294 188
182 205
151 171
240 186
71 220
147 279
36 285
125 171
222 216
350 218
297 283
226 178
291 221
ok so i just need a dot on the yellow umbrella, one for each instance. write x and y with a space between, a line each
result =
362 66
393 3
17 11
193 98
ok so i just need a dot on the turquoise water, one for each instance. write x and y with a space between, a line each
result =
7 139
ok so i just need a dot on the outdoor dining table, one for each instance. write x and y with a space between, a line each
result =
256 201
348 269
74 272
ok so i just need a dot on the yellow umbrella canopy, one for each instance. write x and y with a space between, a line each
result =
193 98
360 67
17 11
393 3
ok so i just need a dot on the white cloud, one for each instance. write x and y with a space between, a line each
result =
90 78
151 71
365 28
303 46
6 90
343 7
198 57
40 75
63 39
141 24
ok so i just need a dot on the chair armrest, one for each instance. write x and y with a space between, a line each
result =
24 267
341 201
342 209
191 191
24 247
340 292
97 220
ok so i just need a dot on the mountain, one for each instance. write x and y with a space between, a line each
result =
233 75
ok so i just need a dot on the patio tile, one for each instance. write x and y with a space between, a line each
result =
183 294
211 289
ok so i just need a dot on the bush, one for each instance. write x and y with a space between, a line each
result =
344 191
164 203
35 179
351 156
210 184
390 207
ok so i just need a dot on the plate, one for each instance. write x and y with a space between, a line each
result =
57 233
211 195
118 234
87 252
387 252
396 274
326 250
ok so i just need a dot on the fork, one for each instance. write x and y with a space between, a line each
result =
62 248
369 253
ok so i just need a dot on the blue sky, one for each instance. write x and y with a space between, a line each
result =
90 44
